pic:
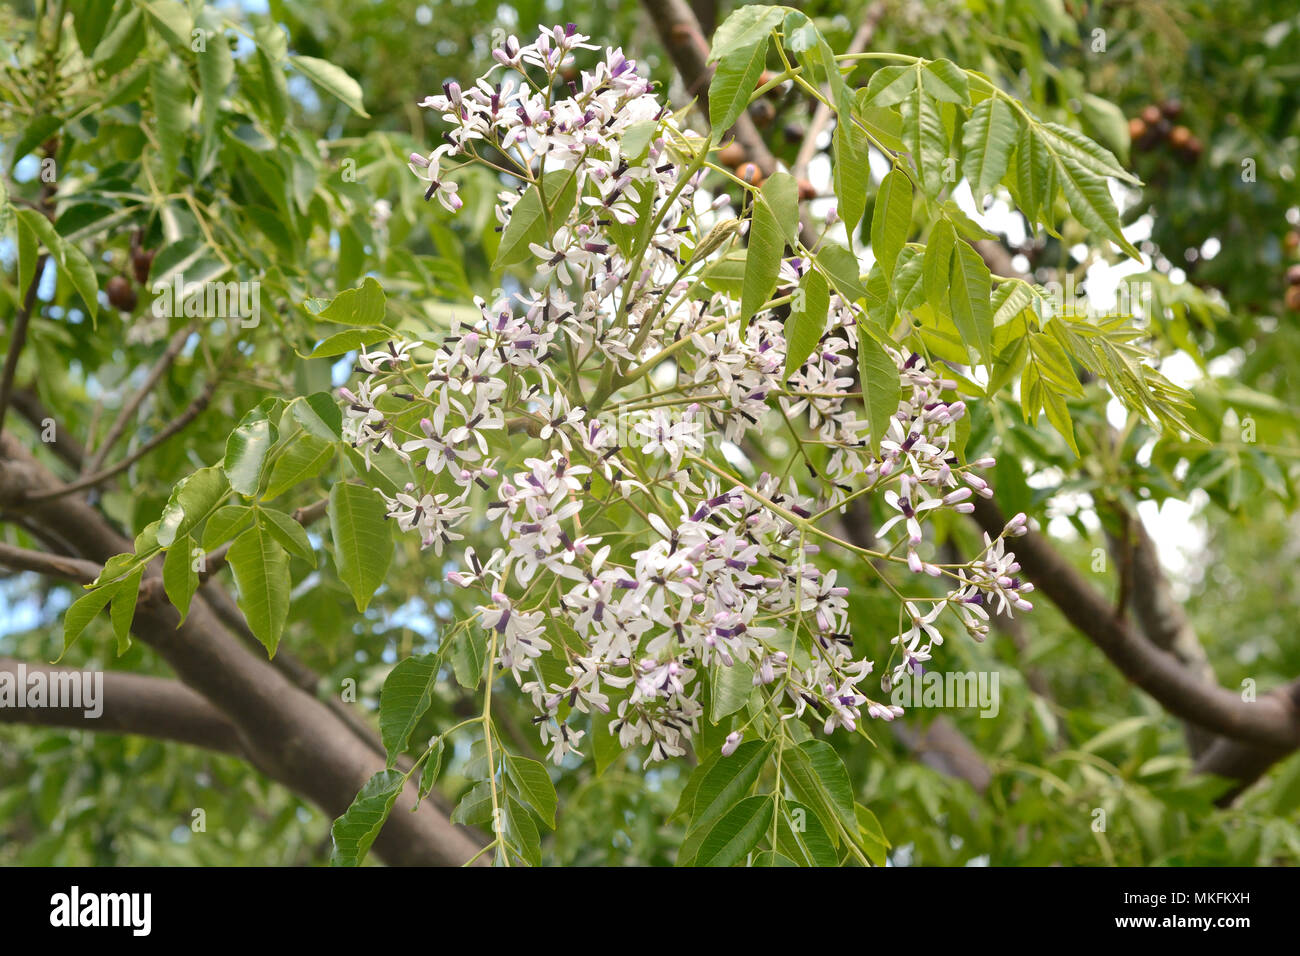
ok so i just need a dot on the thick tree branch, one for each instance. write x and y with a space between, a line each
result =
686 43
132 704
66 448
1273 720
289 734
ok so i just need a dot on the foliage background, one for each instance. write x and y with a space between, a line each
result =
259 187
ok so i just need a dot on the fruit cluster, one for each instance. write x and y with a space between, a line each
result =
1293 285
1155 124
121 294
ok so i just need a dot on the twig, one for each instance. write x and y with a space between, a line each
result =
861 40
171 428
96 461
18 339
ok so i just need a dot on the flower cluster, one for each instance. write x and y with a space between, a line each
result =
638 562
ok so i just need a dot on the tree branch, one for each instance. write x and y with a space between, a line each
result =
861 40
96 461
289 735
192 411
1273 720
18 339
132 704
680 33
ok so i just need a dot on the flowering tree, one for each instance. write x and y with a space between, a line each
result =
647 483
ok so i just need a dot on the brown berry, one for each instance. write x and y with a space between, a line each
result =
1293 275
121 294
1136 128
1151 115
750 173
141 262
1172 108
733 154
763 113
806 190
1180 136
1194 148
764 78
1291 241
1293 298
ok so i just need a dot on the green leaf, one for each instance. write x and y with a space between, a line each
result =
802 836
972 311
122 610
432 767
319 415
890 85
305 458
833 777
333 80
744 28
535 221
288 532
521 833
72 262
363 545
475 807
841 267
732 838
261 569
730 688
1089 197
726 784
851 172
926 140
355 831
225 523
988 138
881 386
775 222
1035 178
605 745
90 20
891 219
733 84
216 69
534 786
807 320
246 451
190 502
946 81
170 88
171 20
364 305
468 655
342 342
1108 121
180 580
937 266
909 287
406 697
871 837
1065 143
84 610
